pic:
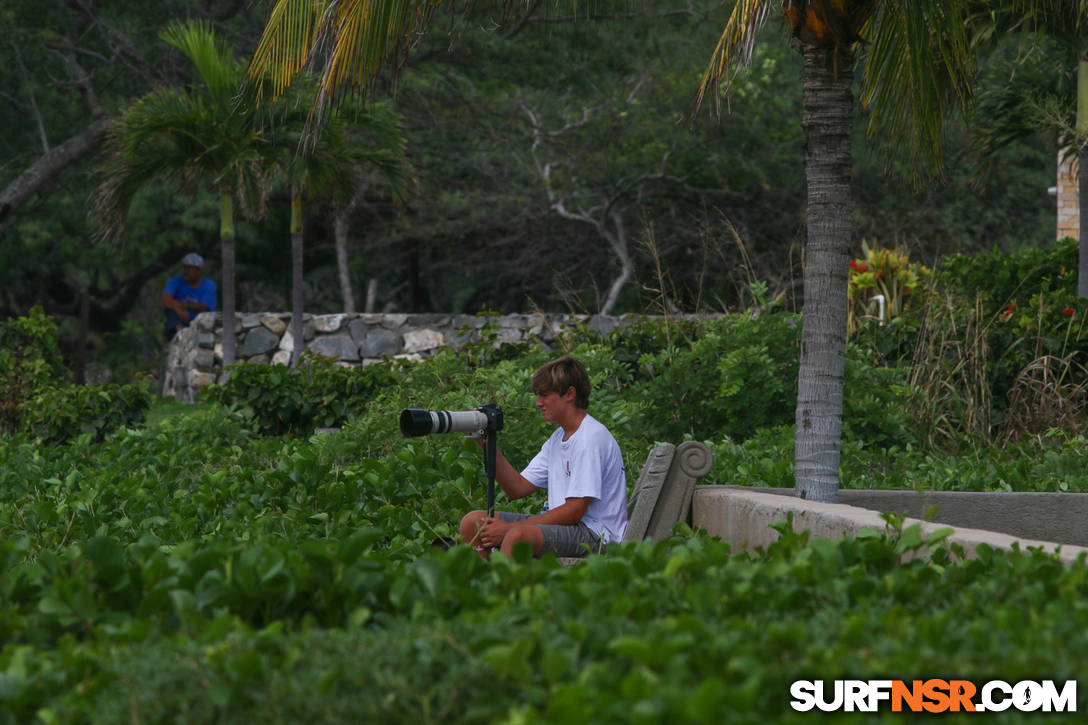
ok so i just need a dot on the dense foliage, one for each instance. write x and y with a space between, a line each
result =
316 394
190 571
227 564
35 395
29 361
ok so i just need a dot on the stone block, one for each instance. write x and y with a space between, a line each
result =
394 320
420 340
205 321
372 318
461 335
198 379
258 341
507 334
472 322
259 359
428 320
282 357
204 359
358 329
287 342
340 347
602 324
250 320
205 339
378 342
329 323
274 324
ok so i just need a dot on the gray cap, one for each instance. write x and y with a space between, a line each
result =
192 259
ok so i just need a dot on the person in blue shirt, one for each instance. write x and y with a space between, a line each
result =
187 295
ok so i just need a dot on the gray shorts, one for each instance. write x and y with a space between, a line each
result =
559 539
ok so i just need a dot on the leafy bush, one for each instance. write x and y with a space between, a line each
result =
737 376
873 410
681 631
191 571
316 394
29 361
57 414
1003 277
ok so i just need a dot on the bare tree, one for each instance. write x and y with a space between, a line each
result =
602 206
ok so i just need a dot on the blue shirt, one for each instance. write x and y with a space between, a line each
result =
182 292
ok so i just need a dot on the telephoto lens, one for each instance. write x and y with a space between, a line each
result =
414 422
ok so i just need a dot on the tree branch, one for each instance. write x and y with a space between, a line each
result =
26 184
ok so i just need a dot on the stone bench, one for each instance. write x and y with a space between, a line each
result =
663 494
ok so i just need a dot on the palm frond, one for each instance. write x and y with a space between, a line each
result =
211 56
1034 92
286 43
919 63
352 41
735 46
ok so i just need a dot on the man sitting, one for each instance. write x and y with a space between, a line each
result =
186 295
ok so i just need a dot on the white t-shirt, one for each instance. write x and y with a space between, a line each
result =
587 464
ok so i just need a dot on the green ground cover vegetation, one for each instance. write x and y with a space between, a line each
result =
229 562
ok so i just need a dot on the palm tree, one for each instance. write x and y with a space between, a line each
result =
917 56
197 135
1065 21
331 166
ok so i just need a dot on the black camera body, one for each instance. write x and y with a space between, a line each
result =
477 423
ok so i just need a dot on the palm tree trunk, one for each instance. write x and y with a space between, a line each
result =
296 275
828 109
226 235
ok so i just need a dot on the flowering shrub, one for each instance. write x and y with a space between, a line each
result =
882 273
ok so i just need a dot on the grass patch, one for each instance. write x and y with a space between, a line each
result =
170 407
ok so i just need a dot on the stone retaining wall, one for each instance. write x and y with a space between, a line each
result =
195 356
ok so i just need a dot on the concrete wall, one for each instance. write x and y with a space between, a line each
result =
742 516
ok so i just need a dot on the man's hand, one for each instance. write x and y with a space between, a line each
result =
183 314
492 533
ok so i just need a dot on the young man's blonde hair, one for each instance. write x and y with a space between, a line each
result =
561 375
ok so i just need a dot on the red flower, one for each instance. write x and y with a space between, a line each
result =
859 267
1069 312
1007 314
